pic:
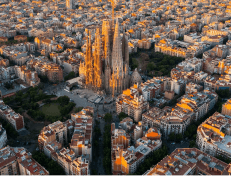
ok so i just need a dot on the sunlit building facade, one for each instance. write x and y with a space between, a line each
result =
214 136
132 103
107 66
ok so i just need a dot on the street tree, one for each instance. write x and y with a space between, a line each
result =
108 117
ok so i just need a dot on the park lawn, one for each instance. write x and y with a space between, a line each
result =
51 109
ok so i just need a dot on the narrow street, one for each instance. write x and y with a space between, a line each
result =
97 162
100 167
173 145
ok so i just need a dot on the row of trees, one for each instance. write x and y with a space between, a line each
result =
53 167
107 149
175 137
96 137
108 118
226 160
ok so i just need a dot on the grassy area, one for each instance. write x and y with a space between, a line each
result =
51 109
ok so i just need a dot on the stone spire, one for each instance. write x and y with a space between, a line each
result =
117 58
107 48
97 60
88 61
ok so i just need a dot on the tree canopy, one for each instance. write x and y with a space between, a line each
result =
71 75
108 117
122 115
53 167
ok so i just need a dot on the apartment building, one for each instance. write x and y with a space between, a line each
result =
53 71
8 162
175 121
4 62
48 45
226 108
3 136
192 88
189 161
152 88
18 161
132 103
213 135
77 158
51 148
125 158
80 166
166 47
27 165
55 131
152 117
199 102
30 77
126 124
82 136
191 64
191 106
16 120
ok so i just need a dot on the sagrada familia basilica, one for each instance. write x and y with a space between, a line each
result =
106 64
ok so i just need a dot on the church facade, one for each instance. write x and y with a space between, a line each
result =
106 67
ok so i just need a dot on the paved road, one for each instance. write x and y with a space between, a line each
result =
100 167
172 147
6 91
78 101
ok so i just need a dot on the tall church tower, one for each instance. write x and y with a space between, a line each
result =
108 66
120 63
97 60
107 54
89 62
117 57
